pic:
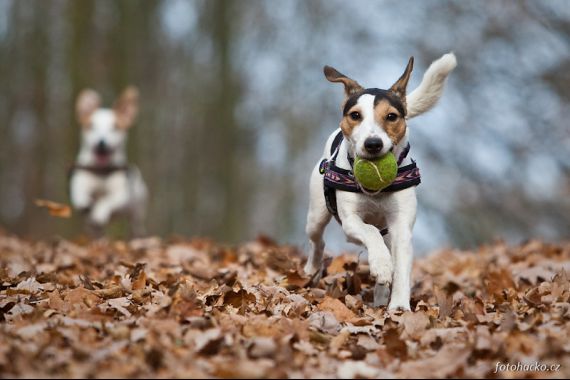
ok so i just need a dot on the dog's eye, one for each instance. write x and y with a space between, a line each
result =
355 116
391 117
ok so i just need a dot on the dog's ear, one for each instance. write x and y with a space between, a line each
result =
350 85
127 107
87 102
399 88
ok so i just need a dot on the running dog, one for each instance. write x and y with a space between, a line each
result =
374 123
102 183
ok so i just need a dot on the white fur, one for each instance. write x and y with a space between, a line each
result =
423 98
103 128
121 192
363 215
368 128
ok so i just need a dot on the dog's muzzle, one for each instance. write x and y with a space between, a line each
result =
373 145
102 149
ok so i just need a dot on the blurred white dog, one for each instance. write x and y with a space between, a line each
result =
373 123
102 183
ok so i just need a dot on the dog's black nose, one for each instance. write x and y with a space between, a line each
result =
373 145
102 147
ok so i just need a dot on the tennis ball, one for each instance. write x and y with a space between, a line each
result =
375 175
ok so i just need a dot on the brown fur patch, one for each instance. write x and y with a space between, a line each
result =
394 129
87 102
347 125
126 107
350 85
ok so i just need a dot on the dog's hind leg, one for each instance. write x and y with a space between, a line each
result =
317 219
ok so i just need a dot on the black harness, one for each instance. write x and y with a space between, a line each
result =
100 171
336 178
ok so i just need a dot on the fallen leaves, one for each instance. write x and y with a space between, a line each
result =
447 362
150 308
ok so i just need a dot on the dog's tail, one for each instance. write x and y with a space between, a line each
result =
423 98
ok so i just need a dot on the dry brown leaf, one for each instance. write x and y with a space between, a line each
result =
59 210
339 309
293 280
140 281
340 264
498 281
112 292
81 298
394 344
415 324
444 301
445 363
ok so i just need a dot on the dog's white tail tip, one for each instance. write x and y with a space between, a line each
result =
447 62
426 95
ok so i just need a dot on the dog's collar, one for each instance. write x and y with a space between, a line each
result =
101 171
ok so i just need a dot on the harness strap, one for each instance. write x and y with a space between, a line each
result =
101 171
336 178
336 144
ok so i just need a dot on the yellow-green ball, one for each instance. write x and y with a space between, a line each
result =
375 175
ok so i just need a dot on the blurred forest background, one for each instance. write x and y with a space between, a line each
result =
235 109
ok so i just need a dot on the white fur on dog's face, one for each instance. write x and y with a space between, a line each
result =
102 129
368 127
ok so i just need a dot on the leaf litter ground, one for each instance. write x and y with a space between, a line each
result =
194 308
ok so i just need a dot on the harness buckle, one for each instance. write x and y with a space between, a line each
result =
323 166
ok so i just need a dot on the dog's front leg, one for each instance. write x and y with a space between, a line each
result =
402 255
356 230
378 255
102 211
400 225
381 267
81 188
116 198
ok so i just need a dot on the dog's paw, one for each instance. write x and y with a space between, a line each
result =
310 269
381 270
399 305
381 294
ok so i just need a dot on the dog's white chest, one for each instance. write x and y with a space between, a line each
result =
372 211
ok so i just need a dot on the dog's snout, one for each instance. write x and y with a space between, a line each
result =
373 145
102 147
